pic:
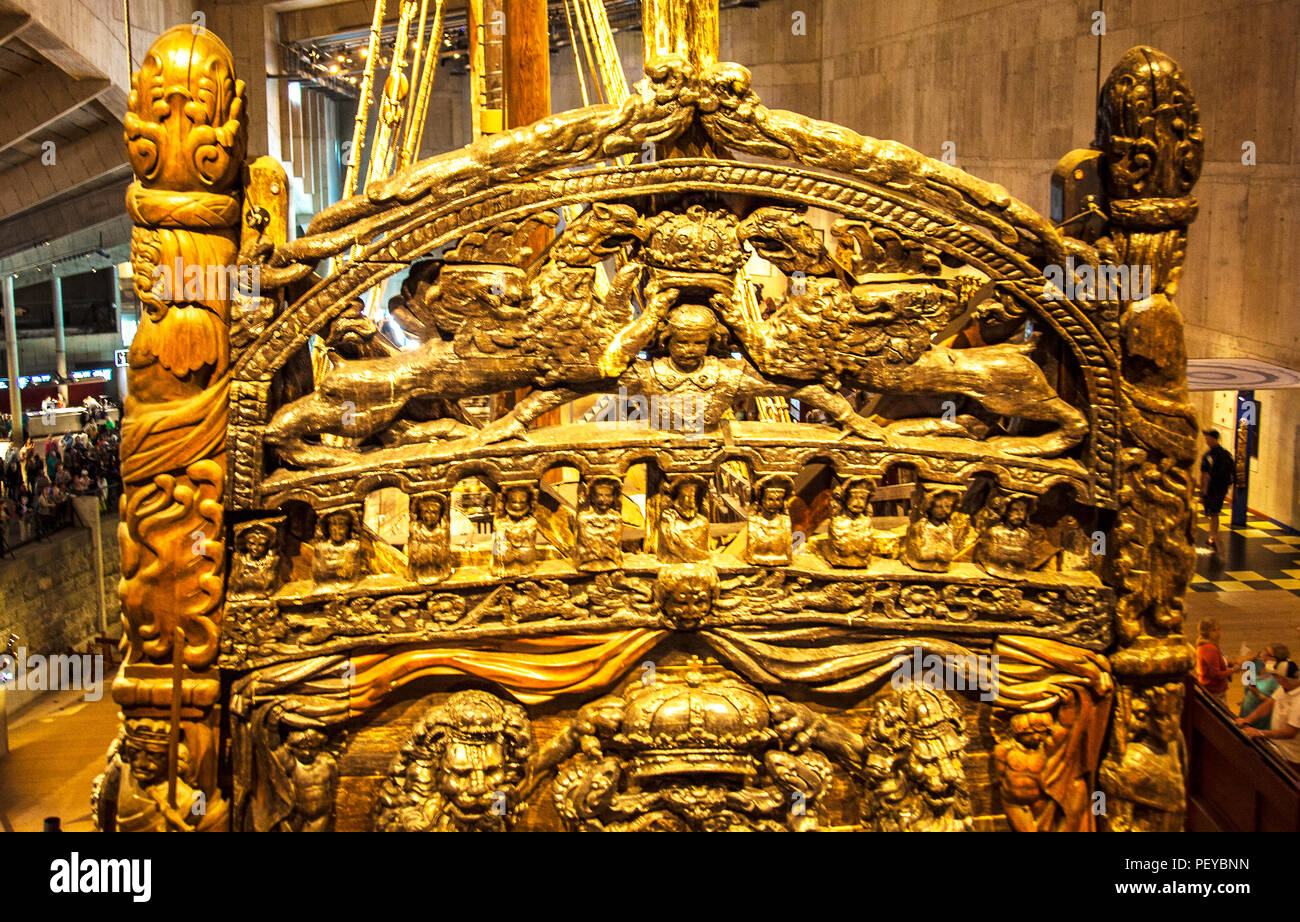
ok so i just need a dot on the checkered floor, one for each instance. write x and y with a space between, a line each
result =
1263 555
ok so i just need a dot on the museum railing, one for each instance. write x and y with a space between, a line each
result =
1234 784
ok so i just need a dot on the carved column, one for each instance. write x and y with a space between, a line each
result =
186 133
1149 133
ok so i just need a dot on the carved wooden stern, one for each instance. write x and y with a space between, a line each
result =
946 595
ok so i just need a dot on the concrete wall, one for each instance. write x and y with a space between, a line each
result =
1013 86
48 598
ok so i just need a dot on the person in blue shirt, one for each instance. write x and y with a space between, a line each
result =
1264 684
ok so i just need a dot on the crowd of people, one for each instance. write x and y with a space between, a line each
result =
1270 706
41 477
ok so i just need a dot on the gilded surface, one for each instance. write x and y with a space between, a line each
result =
912 607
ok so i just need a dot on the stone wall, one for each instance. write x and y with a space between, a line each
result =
47 595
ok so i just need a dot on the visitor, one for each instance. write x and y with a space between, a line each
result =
81 485
1260 683
1217 474
61 477
1284 708
1213 669
23 512
5 519
46 508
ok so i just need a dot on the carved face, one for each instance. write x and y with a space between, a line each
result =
1031 730
471 775
340 528
941 507
518 502
146 765
256 543
688 347
1017 513
688 602
602 495
773 502
430 512
686 499
937 777
304 745
857 501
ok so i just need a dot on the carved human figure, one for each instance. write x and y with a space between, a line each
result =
1076 551
514 539
849 538
935 534
685 593
336 554
1142 778
143 803
598 542
313 772
461 769
681 529
767 533
1021 764
1008 545
428 549
256 568
689 387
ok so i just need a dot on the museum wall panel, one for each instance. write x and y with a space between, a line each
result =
1013 85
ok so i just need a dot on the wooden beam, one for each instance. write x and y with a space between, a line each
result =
684 27
527 63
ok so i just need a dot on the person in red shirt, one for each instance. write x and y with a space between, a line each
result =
1213 669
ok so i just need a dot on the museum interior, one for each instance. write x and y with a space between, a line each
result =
650 415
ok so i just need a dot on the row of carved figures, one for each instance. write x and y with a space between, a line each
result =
1000 536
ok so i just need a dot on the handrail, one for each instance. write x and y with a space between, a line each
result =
1235 784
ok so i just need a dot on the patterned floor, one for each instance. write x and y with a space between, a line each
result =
1263 555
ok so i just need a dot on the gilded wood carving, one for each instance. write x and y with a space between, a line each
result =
914 606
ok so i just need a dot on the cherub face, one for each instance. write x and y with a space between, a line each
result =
688 602
688 347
